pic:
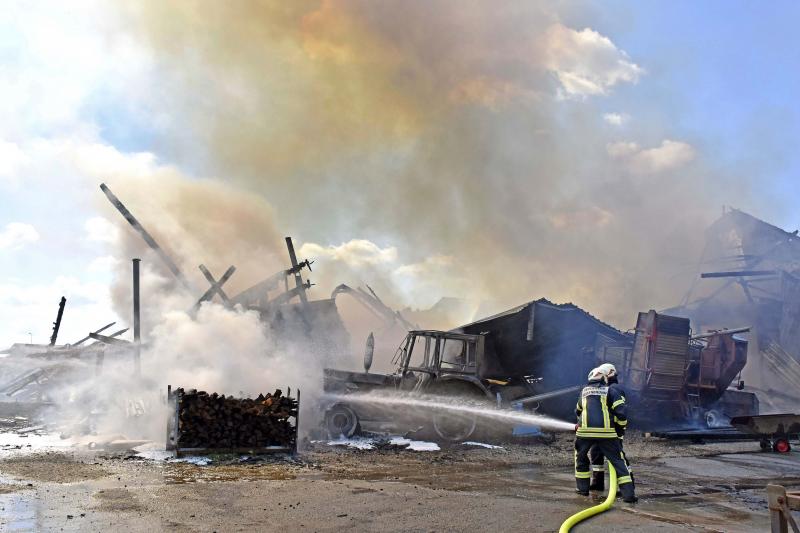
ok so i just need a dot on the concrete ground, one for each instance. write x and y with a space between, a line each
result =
714 487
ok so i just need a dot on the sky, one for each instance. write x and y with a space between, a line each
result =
728 68
88 92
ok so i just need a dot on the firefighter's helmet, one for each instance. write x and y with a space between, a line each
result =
604 372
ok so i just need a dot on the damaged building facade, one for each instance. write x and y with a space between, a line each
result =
750 276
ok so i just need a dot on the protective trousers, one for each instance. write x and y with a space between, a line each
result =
612 450
597 460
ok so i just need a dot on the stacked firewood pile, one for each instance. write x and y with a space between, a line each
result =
218 421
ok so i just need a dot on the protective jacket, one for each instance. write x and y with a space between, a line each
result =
600 411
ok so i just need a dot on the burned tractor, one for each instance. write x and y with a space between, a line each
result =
537 356
428 362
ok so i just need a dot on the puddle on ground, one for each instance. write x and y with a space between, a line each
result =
178 473
18 513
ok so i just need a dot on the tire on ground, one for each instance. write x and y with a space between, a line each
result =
341 421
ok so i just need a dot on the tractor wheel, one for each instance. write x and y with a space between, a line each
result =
454 426
782 445
765 444
341 421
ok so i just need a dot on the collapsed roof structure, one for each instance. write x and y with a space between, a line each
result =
751 277
292 319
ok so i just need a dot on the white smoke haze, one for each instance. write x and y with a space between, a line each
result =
450 129
228 351
225 351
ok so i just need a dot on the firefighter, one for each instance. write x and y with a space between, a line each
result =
599 408
596 457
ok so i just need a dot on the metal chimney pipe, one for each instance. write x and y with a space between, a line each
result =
137 329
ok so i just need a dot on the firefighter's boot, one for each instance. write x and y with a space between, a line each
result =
628 493
598 482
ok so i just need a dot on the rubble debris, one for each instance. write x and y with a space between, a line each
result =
374 305
753 278
218 422
314 326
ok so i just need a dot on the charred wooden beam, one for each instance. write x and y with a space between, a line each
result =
20 382
216 286
118 332
257 294
291 293
87 337
57 323
151 242
738 274
298 279
109 340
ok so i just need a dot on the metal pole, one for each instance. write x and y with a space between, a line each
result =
137 330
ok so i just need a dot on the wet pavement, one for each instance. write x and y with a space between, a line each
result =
514 488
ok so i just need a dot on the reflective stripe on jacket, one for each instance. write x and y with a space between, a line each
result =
600 408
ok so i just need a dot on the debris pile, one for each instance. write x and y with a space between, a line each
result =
751 278
219 422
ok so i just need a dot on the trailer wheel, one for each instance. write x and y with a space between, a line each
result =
342 421
782 445
765 444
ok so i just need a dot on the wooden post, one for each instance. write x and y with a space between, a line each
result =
57 323
298 279
780 505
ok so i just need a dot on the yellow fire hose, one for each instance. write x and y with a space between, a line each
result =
597 509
